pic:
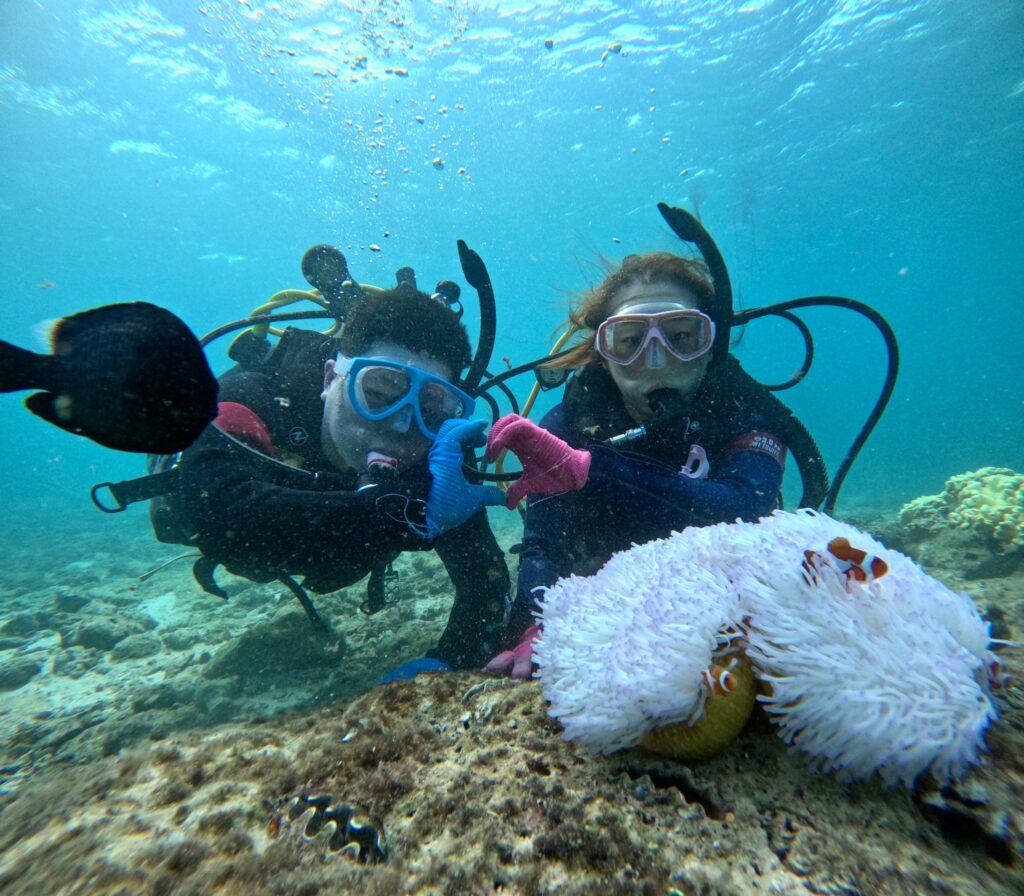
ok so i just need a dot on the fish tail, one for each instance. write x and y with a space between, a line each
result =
22 369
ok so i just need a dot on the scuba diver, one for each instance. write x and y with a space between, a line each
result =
332 453
383 425
659 428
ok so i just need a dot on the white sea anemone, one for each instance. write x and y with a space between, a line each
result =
887 675
624 651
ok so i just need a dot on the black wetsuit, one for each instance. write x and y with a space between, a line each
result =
636 493
261 520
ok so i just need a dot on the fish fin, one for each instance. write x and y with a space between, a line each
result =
67 329
53 408
22 369
856 574
841 549
58 410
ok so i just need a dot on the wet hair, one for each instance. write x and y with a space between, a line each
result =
596 304
408 318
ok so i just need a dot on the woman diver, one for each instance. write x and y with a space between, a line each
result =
659 429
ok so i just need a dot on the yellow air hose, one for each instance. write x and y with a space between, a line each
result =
289 297
499 464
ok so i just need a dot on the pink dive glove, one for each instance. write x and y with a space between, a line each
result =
519 660
549 465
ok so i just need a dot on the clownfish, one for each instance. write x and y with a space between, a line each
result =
719 680
852 563
998 679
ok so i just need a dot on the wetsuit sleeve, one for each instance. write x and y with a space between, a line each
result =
262 519
543 558
746 486
477 568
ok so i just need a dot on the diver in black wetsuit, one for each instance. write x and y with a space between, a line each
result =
704 450
377 417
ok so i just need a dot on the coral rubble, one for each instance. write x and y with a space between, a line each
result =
478 793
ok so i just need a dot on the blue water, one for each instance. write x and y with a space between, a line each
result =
187 154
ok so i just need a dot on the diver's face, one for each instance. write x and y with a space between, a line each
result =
655 369
348 437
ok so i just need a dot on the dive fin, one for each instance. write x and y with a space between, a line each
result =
202 572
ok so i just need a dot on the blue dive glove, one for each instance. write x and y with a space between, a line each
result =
415 667
452 499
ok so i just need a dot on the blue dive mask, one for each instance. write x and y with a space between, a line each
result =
379 389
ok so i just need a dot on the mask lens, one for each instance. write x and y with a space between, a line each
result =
685 336
438 404
623 339
381 388
388 390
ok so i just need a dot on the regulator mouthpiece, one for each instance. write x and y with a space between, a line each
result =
380 466
666 404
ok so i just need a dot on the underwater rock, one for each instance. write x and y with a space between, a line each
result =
27 624
281 645
163 696
478 792
183 638
137 647
69 602
18 672
103 633
74 662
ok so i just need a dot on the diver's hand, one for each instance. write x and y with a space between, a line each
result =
550 465
452 499
517 662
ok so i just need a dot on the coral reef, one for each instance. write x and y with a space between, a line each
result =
214 766
982 510
477 792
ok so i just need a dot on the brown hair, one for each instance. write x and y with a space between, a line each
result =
596 304
410 319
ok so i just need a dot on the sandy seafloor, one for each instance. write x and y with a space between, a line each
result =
155 739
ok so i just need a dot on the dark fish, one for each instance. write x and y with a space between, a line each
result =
130 376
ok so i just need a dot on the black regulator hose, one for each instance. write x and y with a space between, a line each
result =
476 275
690 230
813 472
892 370
255 319
804 368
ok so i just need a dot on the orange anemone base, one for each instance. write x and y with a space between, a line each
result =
723 720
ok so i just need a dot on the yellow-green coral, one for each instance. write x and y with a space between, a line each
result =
990 501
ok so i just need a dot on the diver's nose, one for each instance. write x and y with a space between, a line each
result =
401 419
655 355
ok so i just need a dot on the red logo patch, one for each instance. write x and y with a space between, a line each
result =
764 442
